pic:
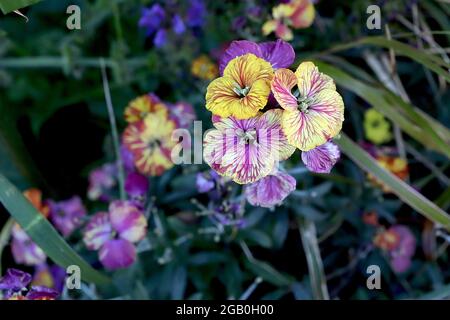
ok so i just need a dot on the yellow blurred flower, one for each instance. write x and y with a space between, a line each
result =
203 68
396 165
296 14
376 127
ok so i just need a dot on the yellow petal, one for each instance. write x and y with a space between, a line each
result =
283 82
310 80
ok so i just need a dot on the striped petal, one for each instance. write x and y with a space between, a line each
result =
322 158
283 82
311 81
247 150
323 121
246 69
97 231
117 254
303 15
128 220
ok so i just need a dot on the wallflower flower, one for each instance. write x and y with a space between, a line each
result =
140 107
376 127
279 54
196 14
67 215
297 14
247 150
400 245
114 233
136 186
23 249
321 159
228 214
102 181
243 90
14 284
49 276
150 142
204 68
314 113
270 190
212 183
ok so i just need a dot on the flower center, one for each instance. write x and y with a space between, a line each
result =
303 104
249 136
241 92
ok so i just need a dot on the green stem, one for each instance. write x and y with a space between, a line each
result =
114 131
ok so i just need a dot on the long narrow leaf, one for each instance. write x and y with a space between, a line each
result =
407 194
10 5
43 233
398 111
314 260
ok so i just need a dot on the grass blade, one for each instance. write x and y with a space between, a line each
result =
315 265
42 232
8 6
406 193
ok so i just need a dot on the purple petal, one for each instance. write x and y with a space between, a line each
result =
322 158
24 250
271 190
101 182
279 53
66 215
137 186
116 254
152 18
178 24
400 264
127 158
160 38
204 182
97 231
196 14
238 48
41 293
15 280
128 220
407 242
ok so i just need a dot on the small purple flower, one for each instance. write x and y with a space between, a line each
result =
270 190
160 38
127 159
136 186
114 233
205 181
178 25
196 14
400 256
152 19
14 281
183 113
322 158
49 276
101 182
67 215
279 53
24 250
229 214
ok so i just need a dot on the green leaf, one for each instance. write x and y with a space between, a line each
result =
406 193
42 232
8 6
315 265
269 273
438 294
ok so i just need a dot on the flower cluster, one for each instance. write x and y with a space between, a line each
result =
114 233
296 14
159 21
13 286
262 112
148 136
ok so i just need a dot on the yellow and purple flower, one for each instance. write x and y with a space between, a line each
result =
270 190
182 113
14 284
314 113
247 150
67 215
114 233
321 159
141 106
296 14
243 89
150 142
279 54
